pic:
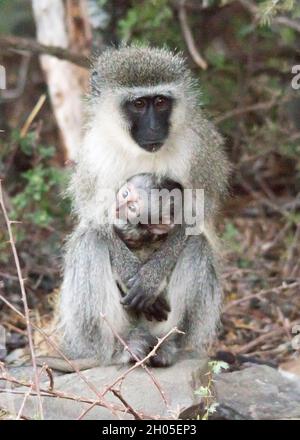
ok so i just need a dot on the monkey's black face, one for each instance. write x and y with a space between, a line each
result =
149 118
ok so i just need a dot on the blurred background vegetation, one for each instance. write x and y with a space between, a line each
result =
249 48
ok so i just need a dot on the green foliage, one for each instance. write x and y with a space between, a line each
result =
230 237
288 35
37 191
216 58
33 201
101 3
13 13
268 9
217 366
243 263
29 147
207 392
150 21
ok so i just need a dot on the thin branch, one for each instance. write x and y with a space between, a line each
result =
142 361
20 415
267 105
72 364
101 401
56 394
26 44
126 404
292 253
285 21
136 365
278 289
281 20
268 203
36 109
25 303
162 393
188 37
262 338
11 94
67 396
26 395
250 6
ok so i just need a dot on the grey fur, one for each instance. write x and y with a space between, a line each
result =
130 66
184 269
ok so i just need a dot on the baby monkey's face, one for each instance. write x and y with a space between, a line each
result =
134 205
129 203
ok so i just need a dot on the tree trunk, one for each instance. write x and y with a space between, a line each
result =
67 83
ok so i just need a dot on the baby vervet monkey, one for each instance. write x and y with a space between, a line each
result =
147 209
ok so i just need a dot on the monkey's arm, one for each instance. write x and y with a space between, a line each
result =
148 283
125 264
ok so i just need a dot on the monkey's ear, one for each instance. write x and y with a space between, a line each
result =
94 83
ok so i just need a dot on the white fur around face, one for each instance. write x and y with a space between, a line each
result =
109 156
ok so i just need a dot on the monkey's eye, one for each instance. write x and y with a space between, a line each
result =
133 208
125 193
139 104
161 102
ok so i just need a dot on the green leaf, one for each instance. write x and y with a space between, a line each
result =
217 366
203 391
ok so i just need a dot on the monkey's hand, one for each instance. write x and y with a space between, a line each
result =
148 283
143 289
158 311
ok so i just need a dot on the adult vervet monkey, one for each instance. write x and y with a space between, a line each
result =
144 117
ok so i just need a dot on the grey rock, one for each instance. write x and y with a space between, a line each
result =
178 383
25 373
16 356
257 392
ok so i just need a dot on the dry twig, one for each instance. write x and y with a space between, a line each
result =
25 44
73 365
162 393
188 37
262 338
36 109
24 299
278 289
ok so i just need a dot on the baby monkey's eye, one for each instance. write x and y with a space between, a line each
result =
132 207
125 193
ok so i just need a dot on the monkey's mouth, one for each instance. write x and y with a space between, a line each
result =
153 147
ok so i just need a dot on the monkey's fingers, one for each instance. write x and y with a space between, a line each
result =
158 310
163 303
157 315
138 301
129 300
148 316
134 301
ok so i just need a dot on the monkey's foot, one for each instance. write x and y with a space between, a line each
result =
139 345
165 355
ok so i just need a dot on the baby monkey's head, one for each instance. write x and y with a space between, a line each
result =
146 200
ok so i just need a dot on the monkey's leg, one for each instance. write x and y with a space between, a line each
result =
89 290
195 297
